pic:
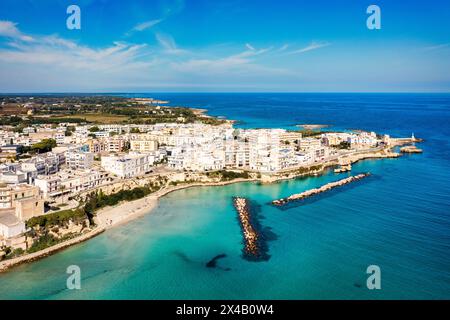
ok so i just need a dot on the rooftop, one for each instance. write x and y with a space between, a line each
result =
8 218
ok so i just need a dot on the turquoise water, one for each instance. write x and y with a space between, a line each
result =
398 219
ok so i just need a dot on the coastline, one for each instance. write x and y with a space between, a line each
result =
110 217
8 264
124 212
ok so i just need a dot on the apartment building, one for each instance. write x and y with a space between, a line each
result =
77 159
70 182
143 143
129 165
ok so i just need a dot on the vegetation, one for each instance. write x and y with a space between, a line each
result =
98 118
343 145
44 241
95 201
99 200
309 133
21 122
53 221
225 175
43 146
305 170
57 218
12 253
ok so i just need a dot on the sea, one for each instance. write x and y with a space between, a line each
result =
398 219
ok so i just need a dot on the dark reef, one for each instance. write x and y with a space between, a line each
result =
213 262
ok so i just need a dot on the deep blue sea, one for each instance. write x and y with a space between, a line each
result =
398 219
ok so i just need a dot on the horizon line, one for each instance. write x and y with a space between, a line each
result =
221 92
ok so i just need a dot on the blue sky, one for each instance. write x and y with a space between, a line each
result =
224 45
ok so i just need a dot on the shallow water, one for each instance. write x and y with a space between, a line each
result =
398 219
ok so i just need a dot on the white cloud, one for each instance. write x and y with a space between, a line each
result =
313 46
50 62
437 47
144 26
249 46
168 44
9 29
54 51
243 63
283 48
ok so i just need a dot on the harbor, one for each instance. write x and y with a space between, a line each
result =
315 191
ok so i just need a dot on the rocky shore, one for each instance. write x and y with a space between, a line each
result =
410 149
126 211
110 217
315 191
6 264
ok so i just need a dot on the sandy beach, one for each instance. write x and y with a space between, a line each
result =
126 211
7 264
123 212
109 217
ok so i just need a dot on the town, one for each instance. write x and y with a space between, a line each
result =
54 175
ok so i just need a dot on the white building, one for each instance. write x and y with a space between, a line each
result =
70 182
10 225
143 143
49 185
130 165
309 143
76 159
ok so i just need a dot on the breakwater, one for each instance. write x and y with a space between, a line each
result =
255 248
315 191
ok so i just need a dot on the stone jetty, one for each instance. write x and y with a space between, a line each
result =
249 231
315 191
343 168
410 149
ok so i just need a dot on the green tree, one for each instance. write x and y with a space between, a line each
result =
44 145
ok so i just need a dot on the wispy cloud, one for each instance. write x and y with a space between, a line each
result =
9 29
249 46
168 44
283 48
244 63
67 64
312 46
437 47
144 26
55 51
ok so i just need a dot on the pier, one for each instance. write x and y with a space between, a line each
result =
410 149
315 191
343 168
254 248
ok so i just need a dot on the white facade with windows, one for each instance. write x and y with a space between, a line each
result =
130 165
